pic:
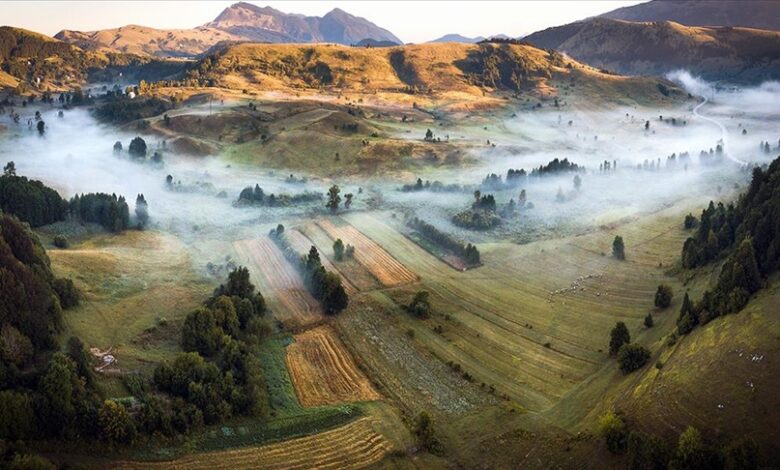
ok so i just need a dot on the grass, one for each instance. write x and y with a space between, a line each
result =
496 320
120 277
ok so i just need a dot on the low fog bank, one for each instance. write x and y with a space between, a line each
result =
75 155
637 142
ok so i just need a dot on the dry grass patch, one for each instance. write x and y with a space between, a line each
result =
324 372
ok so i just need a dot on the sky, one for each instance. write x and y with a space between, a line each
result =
411 21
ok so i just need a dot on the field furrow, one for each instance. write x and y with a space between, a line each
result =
379 262
324 372
352 446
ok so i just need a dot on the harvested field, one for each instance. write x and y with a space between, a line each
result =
355 445
302 245
379 262
324 372
358 275
290 302
504 325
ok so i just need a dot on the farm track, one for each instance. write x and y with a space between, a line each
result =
297 307
324 372
301 244
352 446
379 262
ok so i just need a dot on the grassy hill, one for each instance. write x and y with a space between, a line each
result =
449 69
716 53
141 40
50 64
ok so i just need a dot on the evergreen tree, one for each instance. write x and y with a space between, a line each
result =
618 337
663 296
137 148
338 249
333 199
618 248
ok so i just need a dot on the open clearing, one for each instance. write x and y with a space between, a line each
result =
355 445
379 262
119 277
324 372
290 302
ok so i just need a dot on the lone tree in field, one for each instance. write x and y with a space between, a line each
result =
618 248
420 305
577 182
137 148
429 135
663 296
632 357
338 249
618 337
117 146
333 199
649 320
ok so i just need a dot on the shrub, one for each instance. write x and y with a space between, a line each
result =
612 428
649 320
420 304
115 422
423 429
60 241
663 296
632 356
646 452
618 337
618 248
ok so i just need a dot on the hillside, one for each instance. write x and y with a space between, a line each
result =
239 22
140 40
466 70
52 65
458 38
715 53
759 14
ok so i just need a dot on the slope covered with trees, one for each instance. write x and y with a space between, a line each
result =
747 235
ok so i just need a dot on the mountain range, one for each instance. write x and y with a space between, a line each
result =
660 36
758 14
239 22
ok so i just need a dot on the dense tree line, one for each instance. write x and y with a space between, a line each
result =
748 236
30 200
556 166
435 187
43 393
121 109
467 251
256 196
323 285
107 210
